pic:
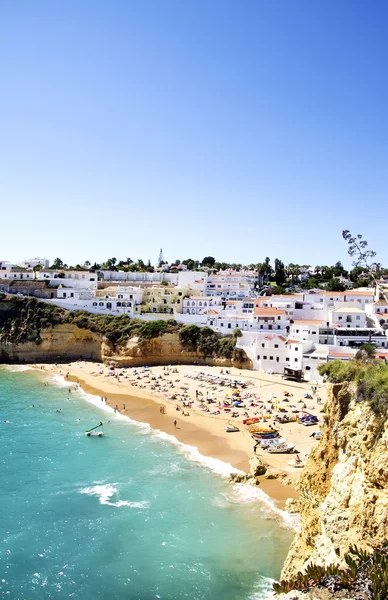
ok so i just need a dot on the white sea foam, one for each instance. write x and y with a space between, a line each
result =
248 494
16 368
263 589
242 493
106 492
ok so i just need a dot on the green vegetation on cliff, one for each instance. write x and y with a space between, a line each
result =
207 342
365 576
23 319
369 376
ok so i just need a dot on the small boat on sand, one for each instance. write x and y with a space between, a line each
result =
93 433
280 448
231 428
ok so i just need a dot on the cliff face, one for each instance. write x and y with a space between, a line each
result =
165 349
58 343
67 341
344 488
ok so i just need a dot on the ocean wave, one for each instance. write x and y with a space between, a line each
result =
263 589
248 494
16 368
193 454
106 492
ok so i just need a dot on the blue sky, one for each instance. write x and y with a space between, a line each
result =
235 129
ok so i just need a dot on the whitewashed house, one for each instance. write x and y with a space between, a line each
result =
199 305
347 316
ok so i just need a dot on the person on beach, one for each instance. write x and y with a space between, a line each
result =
175 424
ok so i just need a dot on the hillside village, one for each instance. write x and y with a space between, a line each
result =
292 332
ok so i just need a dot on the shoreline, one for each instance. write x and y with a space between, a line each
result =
199 430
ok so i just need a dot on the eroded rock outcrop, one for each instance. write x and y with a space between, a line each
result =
344 487
67 341
58 343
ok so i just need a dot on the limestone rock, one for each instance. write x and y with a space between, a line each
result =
238 478
257 467
273 474
344 486
292 506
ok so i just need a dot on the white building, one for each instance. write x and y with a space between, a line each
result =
111 300
30 263
199 305
69 278
231 286
347 316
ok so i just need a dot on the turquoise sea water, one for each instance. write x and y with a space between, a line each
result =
128 516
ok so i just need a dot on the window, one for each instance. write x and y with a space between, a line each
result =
358 317
71 295
296 348
100 304
308 368
64 294
297 331
278 326
94 303
287 358
277 359
295 360
222 324
271 358
276 345
340 318
264 358
258 357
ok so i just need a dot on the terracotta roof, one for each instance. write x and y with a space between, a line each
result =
286 296
294 342
346 354
273 337
269 311
356 293
212 312
308 322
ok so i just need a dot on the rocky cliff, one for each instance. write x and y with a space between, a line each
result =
344 487
67 341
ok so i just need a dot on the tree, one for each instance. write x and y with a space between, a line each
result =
87 263
366 352
110 264
363 257
335 285
208 261
57 264
293 271
237 332
357 248
280 274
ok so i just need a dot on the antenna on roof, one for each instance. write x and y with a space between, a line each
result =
160 259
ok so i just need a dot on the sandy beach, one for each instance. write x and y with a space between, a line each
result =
180 400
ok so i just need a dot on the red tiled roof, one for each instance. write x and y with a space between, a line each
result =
269 311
